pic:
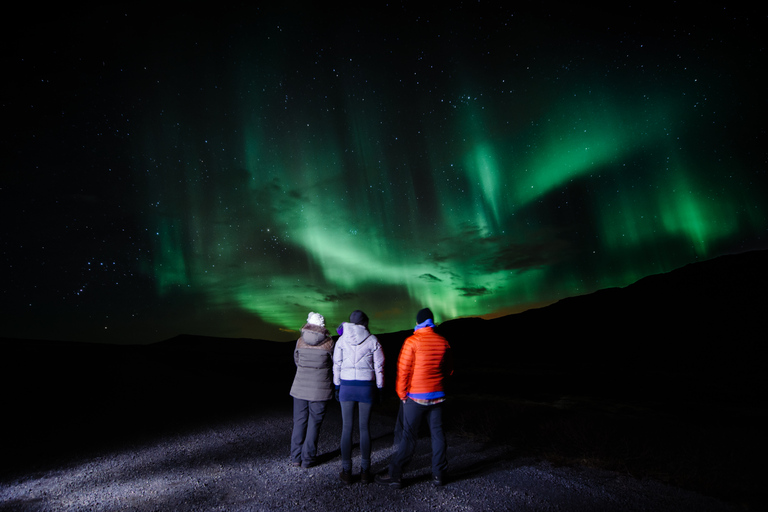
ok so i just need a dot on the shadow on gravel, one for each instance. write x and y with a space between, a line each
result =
77 402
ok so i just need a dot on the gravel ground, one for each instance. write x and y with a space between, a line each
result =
243 465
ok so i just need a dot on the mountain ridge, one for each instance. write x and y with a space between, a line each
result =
729 287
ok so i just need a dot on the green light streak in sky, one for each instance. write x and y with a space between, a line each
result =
688 212
171 265
340 208
582 135
488 177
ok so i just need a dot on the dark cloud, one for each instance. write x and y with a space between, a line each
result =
527 256
340 297
474 292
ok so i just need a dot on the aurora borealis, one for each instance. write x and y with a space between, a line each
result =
225 173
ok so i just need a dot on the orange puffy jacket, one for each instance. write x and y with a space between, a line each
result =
424 363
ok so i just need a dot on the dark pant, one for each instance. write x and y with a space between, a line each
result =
307 418
347 418
398 427
412 414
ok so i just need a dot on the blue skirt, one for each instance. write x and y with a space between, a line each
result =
357 391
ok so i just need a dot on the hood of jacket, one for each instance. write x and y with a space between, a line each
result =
314 335
355 334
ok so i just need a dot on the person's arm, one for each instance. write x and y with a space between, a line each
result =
378 364
338 356
405 370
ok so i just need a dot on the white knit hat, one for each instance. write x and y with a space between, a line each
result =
316 319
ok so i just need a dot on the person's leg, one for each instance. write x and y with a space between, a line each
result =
439 444
347 419
364 410
316 415
398 427
300 415
412 414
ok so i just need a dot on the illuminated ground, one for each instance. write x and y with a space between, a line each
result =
243 465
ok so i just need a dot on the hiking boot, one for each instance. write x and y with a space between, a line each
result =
388 480
438 481
346 477
365 477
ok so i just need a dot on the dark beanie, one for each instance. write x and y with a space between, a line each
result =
424 315
358 317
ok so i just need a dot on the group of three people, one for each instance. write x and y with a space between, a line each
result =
352 370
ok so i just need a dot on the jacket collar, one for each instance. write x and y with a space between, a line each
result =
426 323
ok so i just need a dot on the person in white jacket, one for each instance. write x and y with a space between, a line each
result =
358 374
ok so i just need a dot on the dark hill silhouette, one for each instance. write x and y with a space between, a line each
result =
704 313
716 304
692 330
699 325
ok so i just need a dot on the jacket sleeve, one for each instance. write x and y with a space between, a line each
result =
405 369
296 353
378 364
338 355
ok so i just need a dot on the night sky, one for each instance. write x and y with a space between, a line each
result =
225 173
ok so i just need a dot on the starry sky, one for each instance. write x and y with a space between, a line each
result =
225 172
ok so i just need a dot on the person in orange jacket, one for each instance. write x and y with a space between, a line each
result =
423 366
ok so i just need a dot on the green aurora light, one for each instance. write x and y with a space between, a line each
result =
228 177
308 204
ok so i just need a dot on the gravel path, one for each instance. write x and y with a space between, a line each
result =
242 465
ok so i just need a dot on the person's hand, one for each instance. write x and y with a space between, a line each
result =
336 394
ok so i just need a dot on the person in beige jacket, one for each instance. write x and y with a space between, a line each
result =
312 388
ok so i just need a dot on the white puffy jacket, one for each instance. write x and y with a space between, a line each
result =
358 355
